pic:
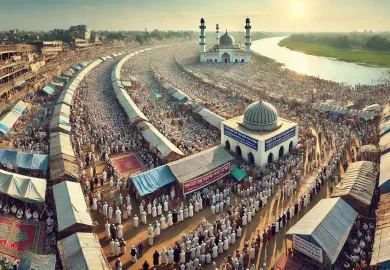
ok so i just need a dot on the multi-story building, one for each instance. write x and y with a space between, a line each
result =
15 65
80 31
82 44
50 47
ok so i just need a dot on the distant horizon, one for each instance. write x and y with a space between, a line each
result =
175 15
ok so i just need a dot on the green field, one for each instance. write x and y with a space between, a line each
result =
361 56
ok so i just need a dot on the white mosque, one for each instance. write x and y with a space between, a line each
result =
225 50
259 136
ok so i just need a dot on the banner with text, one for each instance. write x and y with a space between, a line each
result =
307 248
240 137
278 139
206 179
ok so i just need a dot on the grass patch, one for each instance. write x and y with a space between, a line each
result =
360 56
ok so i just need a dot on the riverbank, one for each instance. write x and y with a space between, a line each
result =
359 56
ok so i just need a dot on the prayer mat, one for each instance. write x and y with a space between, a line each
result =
17 236
128 164
289 263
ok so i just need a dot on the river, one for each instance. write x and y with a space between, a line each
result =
322 67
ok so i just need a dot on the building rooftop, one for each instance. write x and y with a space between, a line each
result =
235 123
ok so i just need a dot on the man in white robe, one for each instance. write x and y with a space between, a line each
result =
191 210
143 217
135 221
118 214
120 230
157 229
107 232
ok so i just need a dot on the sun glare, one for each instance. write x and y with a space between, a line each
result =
298 9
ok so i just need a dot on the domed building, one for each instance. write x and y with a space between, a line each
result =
259 136
225 50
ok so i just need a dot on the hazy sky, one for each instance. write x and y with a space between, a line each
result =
266 15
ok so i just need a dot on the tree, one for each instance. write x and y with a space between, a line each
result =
140 39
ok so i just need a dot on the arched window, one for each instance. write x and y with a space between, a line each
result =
270 158
290 146
251 158
238 151
281 151
227 145
236 60
216 60
242 60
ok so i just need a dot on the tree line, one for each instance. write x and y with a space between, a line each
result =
344 41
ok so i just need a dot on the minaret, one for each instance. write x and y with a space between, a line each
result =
217 31
248 35
202 36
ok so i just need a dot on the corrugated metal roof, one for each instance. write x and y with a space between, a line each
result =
381 248
196 165
326 225
384 171
70 205
212 118
60 144
82 251
384 143
359 182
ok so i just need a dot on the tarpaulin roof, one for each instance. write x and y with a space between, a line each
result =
212 118
179 95
24 160
62 109
201 163
381 249
369 148
59 120
82 251
384 128
384 143
24 188
366 115
384 171
49 90
32 261
8 120
62 78
61 167
238 174
70 205
150 181
358 182
326 225
60 144
157 140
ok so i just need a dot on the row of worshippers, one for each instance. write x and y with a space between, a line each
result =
20 213
358 248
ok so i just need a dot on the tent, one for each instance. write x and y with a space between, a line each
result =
64 167
24 160
157 140
24 188
49 90
72 210
82 251
59 84
384 143
380 251
326 226
150 181
8 120
154 96
238 174
212 118
60 144
357 186
31 261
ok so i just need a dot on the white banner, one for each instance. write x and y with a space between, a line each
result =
307 248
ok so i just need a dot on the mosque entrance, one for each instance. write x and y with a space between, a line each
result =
251 158
238 151
270 158
281 151
227 145
290 146
226 58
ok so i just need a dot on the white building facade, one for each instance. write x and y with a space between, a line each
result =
259 136
225 51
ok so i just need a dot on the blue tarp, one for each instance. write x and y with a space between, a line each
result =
24 160
152 180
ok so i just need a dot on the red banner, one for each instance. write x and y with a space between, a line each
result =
206 179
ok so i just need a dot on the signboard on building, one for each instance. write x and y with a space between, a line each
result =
240 137
307 248
278 139
206 179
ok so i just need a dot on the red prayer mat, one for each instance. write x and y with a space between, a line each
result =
128 164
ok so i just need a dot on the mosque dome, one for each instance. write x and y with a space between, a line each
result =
261 116
226 39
